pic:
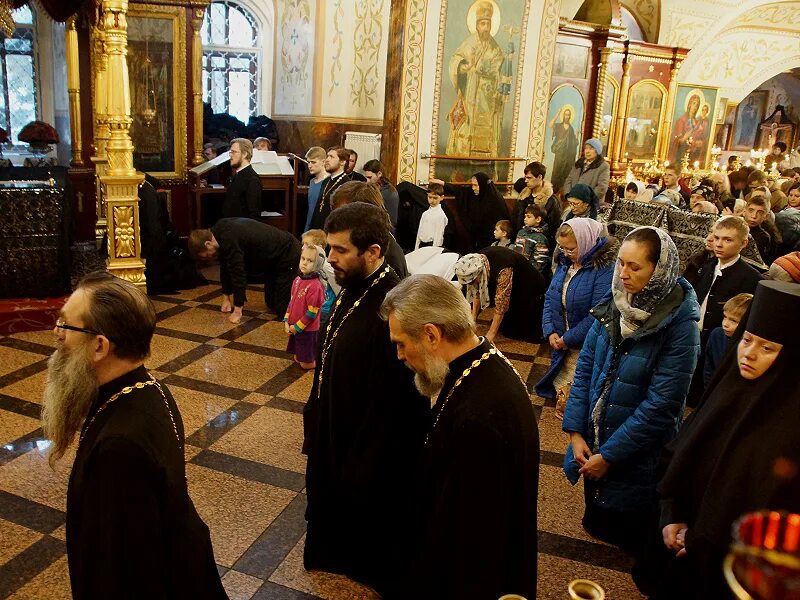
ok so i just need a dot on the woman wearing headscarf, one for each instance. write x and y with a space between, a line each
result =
480 207
591 169
504 279
739 452
630 387
582 202
637 190
585 263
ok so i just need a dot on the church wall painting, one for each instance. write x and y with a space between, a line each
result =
563 132
294 59
692 124
476 98
750 112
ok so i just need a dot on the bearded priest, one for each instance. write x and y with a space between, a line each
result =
477 501
132 530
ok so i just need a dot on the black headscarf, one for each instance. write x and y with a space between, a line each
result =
480 213
740 451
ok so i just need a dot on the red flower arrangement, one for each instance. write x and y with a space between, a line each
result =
38 132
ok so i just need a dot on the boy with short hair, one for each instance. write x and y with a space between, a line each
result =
316 168
433 221
718 280
719 338
532 239
502 233
756 212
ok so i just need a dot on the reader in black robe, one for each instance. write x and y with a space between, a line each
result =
480 484
252 250
738 453
243 196
132 530
364 427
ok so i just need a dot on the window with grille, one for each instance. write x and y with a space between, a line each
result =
18 102
231 53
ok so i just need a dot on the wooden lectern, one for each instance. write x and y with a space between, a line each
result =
278 184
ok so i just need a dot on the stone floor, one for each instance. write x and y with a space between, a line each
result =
241 398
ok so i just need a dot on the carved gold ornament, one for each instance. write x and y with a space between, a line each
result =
124 232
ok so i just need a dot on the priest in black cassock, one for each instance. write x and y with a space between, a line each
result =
132 530
478 494
364 421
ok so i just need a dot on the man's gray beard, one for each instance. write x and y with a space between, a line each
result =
431 381
70 390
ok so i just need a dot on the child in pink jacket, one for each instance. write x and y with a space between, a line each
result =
302 315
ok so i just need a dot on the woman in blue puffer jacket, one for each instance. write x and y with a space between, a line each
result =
630 388
582 279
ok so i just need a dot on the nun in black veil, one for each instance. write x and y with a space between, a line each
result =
739 452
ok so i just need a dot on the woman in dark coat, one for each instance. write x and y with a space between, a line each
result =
582 279
739 452
627 400
504 279
582 202
591 169
480 207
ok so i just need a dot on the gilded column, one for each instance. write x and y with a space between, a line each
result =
601 92
672 92
121 180
622 108
197 79
100 109
74 91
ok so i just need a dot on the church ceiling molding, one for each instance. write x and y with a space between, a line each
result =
726 53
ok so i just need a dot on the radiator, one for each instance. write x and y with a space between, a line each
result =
368 146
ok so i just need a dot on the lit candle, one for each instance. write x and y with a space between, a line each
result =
666 164
697 164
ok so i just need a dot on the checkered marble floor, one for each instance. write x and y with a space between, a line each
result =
241 398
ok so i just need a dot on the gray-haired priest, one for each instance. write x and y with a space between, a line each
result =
477 537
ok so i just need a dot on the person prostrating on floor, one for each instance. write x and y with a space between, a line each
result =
132 530
249 250
477 527
364 422
303 313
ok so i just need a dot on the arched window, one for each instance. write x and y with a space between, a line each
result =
231 53
18 102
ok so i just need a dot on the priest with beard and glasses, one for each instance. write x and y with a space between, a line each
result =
132 530
477 501
364 421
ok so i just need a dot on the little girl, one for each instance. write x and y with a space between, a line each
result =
302 315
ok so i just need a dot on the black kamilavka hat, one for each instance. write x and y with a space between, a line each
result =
775 307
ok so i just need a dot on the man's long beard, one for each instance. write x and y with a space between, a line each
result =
431 380
70 390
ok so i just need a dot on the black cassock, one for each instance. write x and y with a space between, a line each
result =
479 493
132 530
363 437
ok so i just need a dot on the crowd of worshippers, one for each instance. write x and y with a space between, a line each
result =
421 440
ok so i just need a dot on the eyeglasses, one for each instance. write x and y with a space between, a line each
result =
576 204
569 252
62 325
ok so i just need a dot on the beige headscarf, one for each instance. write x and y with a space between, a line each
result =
470 268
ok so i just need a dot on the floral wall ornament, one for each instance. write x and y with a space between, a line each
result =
124 232
7 25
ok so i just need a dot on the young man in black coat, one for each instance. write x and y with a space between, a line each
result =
243 197
132 530
718 280
479 479
249 250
